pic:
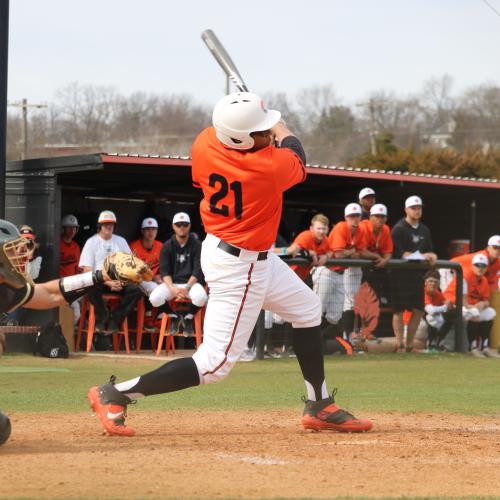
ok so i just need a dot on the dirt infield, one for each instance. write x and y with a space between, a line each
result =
250 454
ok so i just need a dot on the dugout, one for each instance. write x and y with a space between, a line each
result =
40 191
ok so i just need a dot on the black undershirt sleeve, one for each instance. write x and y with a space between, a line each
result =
291 142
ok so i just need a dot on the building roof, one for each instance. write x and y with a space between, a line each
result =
366 173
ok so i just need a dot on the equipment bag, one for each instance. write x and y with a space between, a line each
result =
50 342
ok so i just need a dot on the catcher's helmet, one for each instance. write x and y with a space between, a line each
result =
69 221
237 115
5 428
14 249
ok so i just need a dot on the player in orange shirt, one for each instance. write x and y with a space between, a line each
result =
314 242
492 252
243 176
69 255
439 315
379 248
69 248
347 240
476 305
148 249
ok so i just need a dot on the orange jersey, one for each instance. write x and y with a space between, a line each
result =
150 256
306 241
340 238
69 257
243 190
492 274
436 299
380 243
477 291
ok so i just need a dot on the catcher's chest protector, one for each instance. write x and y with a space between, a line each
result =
11 298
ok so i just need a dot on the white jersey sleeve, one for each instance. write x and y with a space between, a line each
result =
88 255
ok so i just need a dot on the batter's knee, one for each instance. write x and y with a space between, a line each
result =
311 315
212 366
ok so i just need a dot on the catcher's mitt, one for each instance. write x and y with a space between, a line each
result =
127 268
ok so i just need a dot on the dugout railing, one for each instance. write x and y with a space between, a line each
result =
461 341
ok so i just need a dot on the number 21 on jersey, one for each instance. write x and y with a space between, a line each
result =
221 196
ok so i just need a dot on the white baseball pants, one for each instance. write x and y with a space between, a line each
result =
329 286
162 294
352 282
239 288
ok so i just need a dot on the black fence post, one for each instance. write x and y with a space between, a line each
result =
461 340
4 59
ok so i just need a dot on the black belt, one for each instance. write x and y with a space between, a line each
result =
235 251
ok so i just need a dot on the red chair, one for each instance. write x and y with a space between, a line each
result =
165 326
141 314
113 301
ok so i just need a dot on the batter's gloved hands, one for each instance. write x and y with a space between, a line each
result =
127 268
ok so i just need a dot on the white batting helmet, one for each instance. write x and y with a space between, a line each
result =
237 115
69 221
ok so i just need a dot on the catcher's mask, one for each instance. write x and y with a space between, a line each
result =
14 253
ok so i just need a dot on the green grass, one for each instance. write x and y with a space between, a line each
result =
407 383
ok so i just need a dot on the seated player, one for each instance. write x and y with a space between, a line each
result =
476 306
180 270
439 311
94 252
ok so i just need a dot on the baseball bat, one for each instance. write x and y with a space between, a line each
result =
224 59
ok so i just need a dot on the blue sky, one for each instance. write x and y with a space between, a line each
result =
358 46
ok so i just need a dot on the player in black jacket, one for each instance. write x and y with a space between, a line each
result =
180 270
409 235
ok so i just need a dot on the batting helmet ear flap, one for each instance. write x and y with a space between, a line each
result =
241 143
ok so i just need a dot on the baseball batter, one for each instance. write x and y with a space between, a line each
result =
243 176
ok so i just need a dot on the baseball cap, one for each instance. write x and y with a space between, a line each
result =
366 192
149 222
413 201
27 232
352 209
494 241
181 217
480 258
378 209
106 217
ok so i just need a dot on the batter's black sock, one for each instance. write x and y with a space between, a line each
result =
309 351
173 376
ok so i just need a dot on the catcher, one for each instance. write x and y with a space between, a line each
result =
17 288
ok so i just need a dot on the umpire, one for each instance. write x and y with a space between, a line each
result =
409 236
